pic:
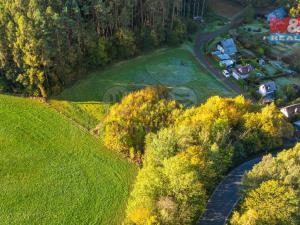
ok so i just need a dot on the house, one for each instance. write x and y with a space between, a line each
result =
227 63
221 56
278 13
267 88
291 110
242 72
227 46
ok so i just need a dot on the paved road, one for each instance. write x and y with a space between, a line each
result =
226 196
201 40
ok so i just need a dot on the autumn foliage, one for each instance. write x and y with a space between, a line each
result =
271 191
186 152
139 113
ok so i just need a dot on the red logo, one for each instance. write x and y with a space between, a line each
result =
285 26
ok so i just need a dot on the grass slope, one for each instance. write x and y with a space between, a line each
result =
175 68
52 172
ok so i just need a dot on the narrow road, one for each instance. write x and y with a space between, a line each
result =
226 196
202 39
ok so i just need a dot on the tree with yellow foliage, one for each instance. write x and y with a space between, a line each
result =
272 203
139 113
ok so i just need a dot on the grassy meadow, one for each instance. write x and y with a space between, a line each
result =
175 68
54 172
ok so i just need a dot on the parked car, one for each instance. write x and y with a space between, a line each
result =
226 73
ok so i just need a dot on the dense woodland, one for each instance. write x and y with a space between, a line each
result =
185 152
45 43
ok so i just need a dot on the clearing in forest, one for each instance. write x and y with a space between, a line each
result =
176 69
53 172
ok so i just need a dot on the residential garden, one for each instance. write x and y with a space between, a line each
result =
271 62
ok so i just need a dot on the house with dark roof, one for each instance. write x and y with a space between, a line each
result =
291 110
278 13
227 46
268 88
242 72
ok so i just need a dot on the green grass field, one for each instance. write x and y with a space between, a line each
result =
53 172
174 68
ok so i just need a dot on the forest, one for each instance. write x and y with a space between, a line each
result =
45 44
185 152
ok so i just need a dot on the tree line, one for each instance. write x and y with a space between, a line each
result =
185 152
45 44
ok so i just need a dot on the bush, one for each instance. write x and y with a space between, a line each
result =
139 113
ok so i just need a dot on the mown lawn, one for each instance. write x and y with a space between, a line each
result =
175 68
52 172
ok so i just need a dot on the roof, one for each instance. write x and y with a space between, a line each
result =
292 109
278 13
227 62
297 123
224 56
243 70
270 86
229 46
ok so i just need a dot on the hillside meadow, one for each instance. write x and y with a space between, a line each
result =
175 68
53 172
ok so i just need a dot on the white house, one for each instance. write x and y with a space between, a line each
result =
267 88
242 72
291 110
